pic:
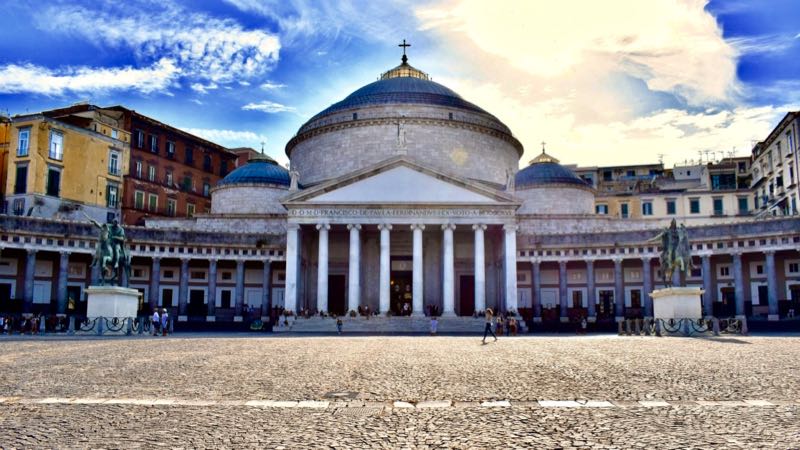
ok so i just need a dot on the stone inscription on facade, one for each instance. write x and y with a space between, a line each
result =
362 212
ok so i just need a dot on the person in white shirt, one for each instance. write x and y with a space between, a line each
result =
156 322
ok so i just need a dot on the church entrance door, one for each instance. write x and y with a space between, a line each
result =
467 295
401 293
336 295
605 305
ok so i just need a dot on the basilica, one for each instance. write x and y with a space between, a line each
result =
404 199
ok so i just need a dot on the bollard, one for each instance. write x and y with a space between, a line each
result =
638 329
99 323
619 324
745 332
658 328
715 326
171 326
42 327
627 327
687 331
141 324
129 329
71 327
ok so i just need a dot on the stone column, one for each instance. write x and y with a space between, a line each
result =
266 298
563 301
480 268
183 292
647 286
417 289
590 291
155 282
386 267
619 290
30 271
738 280
354 266
448 281
322 267
61 290
772 285
292 266
212 290
510 265
536 283
239 287
708 295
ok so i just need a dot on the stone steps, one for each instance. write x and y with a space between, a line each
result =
384 325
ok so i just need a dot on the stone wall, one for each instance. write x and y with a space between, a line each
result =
555 200
248 199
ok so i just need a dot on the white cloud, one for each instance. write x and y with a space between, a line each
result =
229 138
269 86
268 107
41 80
203 88
205 48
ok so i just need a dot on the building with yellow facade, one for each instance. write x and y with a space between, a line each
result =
5 140
66 163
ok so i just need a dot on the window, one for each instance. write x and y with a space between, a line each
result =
171 208
206 189
138 200
151 173
114 134
189 210
636 298
601 209
112 195
779 181
631 173
223 168
168 178
722 181
607 175
154 144
742 167
794 267
56 145
187 183
671 207
53 182
170 149
755 201
355 116
647 208
742 205
623 210
19 206
207 163
189 157
137 169
724 271
113 162
718 211
152 202
140 138
694 205
760 269
24 141
577 299
21 180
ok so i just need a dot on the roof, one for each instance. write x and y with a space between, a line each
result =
545 170
258 170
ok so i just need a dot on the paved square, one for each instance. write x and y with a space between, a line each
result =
452 392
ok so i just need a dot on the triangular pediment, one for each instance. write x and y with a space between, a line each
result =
400 181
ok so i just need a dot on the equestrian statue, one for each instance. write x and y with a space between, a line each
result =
675 251
110 254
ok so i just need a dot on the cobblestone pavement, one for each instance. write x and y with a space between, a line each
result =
210 381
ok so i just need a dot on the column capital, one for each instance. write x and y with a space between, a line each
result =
705 254
354 226
536 260
617 259
185 259
510 227
562 262
479 226
769 252
448 226
31 251
589 260
292 226
64 253
418 226
384 226
323 226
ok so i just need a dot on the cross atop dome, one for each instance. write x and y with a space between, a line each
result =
543 157
404 45
404 69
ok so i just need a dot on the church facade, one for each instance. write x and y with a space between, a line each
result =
406 199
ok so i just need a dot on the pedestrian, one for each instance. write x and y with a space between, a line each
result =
512 325
164 321
488 328
339 325
156 322
499 325
434 325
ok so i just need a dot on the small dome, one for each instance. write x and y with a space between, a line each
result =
546 170
258 170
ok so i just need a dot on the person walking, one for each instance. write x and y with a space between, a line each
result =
156 319
488 328
434 325
164 322
339 325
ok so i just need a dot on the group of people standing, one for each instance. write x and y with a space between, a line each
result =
160 322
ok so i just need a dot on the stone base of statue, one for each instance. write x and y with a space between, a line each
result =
677 303
111 301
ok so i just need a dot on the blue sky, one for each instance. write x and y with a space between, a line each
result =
613 82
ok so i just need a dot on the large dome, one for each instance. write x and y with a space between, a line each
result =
404 113
547 187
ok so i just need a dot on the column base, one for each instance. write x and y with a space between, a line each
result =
537 320
183 318
619 319
211 318
449 314
591 319
564 319
265 319
238 319
740 317
773 317
417 314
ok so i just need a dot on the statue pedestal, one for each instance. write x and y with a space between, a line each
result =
677 303
111 301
